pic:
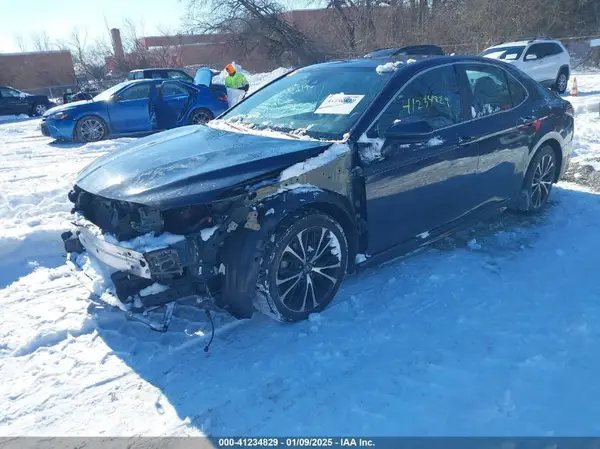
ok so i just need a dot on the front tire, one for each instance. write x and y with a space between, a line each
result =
91 129
562 80
303 267
539 180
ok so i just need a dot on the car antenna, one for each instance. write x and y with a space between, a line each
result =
212 327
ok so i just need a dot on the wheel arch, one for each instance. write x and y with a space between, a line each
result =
243 250
552 142
564 68
195 109
94 115
328 202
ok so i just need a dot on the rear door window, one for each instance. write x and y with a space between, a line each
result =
538 50
490 92
178 75
174 90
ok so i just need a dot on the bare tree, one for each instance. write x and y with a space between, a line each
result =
20 42
254 24
89 58
41 42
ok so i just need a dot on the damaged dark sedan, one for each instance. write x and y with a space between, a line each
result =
327 168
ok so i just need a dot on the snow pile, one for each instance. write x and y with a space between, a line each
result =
371 149
329 155
256 80
435 141
236 127
207 233
388 67
153 289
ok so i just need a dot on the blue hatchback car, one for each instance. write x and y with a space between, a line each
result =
135 107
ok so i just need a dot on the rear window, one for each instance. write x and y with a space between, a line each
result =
507 53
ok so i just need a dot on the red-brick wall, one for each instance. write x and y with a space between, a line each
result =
38 69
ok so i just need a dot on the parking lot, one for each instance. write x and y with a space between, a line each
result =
490 332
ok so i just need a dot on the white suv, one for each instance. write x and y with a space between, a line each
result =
545 60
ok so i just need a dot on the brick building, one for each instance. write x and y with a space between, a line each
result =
33 70
214 49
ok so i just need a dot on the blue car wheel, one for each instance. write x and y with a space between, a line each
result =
91 129
201 116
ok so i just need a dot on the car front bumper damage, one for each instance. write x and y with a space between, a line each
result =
139 281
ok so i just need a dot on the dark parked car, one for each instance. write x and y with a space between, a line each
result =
410 50
174 74
134 108
15 102
84 95
271 206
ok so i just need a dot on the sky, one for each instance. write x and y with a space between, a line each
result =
58 18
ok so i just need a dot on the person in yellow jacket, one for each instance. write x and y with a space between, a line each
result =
235 80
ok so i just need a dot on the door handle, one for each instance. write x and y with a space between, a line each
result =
465 140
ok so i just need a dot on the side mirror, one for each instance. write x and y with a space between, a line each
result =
409 132
531 57
115 99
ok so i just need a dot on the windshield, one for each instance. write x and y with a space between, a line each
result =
322 103
103 96
506 53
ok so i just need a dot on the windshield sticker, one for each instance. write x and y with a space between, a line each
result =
339 104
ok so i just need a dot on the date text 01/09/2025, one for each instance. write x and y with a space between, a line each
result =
295 442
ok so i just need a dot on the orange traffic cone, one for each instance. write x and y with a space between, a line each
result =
574 91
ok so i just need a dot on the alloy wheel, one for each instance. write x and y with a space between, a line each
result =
309 269
541 184
40 109
562 82
92 130
200 117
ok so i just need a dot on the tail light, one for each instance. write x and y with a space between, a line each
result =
570 110
222 99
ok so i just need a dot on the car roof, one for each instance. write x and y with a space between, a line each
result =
525 42
156 68
407 62
427 50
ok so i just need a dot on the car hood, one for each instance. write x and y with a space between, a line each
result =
189 165
69 107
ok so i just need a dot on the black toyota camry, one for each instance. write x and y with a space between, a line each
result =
270 206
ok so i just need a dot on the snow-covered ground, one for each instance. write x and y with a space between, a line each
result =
492 332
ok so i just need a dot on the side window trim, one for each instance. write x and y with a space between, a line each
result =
407 83
130 88
506 74
455 65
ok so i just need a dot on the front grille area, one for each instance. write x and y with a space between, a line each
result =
122 219
45 130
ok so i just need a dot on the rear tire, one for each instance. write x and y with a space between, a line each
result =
38 109
200 116
303 267
91 129
540 177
